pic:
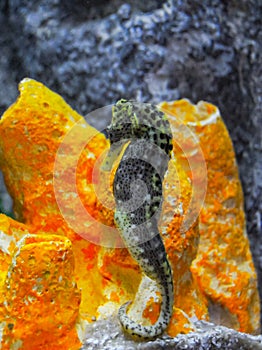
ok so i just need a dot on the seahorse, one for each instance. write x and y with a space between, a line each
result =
137 189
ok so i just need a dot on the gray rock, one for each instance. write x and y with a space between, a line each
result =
107 335
95 52
5 200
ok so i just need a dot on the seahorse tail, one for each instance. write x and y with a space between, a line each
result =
136 329
149 332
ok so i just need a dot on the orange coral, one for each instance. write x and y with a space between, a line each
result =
41 301
50 158
223 267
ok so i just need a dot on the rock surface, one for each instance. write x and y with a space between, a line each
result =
106 335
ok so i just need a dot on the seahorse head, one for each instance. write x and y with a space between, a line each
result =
133 120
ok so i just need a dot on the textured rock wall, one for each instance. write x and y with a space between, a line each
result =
106 334
95 52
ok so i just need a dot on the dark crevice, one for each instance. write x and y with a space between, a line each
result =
97 9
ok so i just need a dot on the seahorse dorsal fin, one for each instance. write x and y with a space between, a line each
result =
112 155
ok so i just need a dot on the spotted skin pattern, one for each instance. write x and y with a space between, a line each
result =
137 189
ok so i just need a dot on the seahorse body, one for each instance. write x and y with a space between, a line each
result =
137 190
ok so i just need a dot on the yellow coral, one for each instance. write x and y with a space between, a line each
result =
41 300
50 159
223 267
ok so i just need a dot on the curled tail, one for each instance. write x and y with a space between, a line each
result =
167 294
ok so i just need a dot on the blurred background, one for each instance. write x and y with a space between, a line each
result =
94 52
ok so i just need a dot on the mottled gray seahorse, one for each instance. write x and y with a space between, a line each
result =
137 189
